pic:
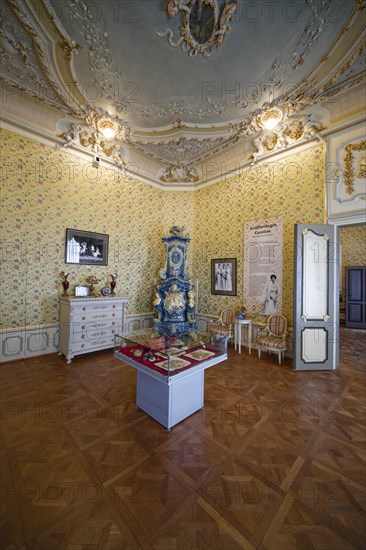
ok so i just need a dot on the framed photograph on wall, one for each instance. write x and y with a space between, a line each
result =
223 276
86 247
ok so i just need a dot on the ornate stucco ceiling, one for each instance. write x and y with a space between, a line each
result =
175 107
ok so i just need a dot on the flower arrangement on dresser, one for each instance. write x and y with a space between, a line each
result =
92 280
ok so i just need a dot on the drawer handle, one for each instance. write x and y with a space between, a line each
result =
83 345
83 327
113 314
83 318
82 336
84 308
113 307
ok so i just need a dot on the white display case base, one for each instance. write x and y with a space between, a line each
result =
170 402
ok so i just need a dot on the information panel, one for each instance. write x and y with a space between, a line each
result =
263 250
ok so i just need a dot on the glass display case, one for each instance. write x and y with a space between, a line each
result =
170 370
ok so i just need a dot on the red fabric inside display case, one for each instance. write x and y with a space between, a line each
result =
157 361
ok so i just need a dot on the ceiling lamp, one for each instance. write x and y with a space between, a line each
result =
109 128
271 118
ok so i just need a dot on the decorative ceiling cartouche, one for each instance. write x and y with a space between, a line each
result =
68 66
203 27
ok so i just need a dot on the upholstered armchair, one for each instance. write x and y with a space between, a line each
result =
224 325
273 337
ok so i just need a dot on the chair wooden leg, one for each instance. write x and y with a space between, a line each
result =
279 357
259 353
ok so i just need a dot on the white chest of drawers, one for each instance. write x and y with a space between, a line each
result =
89 324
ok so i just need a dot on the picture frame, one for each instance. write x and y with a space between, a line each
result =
86 247
223 276
82 290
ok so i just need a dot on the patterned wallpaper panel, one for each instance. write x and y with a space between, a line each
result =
353 243
292 188
44 191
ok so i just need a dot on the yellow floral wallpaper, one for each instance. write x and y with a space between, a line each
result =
292 188
353 243
45 190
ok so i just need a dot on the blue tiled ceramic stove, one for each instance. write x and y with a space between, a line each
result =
174 296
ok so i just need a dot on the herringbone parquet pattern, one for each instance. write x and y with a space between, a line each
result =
275 460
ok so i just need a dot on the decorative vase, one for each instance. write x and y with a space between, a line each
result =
113 286
65 285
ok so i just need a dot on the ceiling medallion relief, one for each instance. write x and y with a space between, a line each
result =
203 28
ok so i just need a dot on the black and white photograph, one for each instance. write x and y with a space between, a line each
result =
86 247
223 276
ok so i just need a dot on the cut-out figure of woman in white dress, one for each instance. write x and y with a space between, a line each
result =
270 304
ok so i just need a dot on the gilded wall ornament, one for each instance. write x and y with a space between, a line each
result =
362 170
203 28
349 173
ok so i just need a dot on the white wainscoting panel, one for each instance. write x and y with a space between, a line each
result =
22 342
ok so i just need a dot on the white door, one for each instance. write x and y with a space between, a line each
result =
316 299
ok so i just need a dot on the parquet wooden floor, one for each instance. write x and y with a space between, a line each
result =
275 460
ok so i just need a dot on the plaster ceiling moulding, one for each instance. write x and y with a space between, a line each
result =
270 117
273 128
101 135
51 63
24 60
180 128
342 68
110 127
350 72
178 150
103 62
53 54
290 131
